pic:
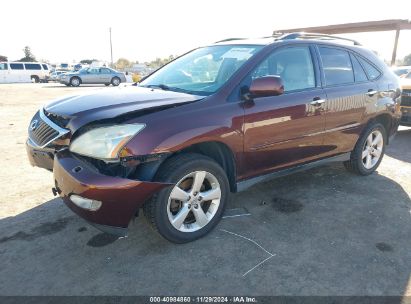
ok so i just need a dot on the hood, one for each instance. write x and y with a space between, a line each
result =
80 110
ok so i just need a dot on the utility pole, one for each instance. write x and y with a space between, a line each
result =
111 48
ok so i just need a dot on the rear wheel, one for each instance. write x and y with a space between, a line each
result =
106 84
194 205
115 81
35 79
75 81
369 150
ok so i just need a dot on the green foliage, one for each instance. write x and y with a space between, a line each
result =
123 63
87 61
28 55
3 58
407 60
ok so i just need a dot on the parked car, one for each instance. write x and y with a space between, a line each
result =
217 120
406 100
93 75
24 72
401 71
55 76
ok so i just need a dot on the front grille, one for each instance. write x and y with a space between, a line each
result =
40 132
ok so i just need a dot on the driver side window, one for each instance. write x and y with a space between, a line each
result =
293 64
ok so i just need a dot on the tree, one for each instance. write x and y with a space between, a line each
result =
407 60
87 61
28 55
123 63
3 58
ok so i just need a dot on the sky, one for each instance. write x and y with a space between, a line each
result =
60 31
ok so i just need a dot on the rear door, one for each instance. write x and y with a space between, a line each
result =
349 91
285 130
105 75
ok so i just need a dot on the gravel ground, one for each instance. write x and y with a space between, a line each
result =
321 232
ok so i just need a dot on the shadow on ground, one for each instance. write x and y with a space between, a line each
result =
323 232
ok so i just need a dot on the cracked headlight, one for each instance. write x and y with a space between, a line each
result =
105 142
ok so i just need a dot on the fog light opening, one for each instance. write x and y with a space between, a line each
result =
85 203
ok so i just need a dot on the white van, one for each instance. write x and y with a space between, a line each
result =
24 72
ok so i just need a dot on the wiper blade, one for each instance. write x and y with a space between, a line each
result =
160 86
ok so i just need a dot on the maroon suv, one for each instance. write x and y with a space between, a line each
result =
215 120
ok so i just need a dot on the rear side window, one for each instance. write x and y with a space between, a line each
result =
337 66
45 67
372 71
3 66
105 71
32 66
16 66
359 73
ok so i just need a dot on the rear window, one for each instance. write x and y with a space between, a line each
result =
32 66
337 66
45 67
372 71
16 66
3 66
359 73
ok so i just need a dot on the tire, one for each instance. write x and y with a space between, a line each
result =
162 211
115 81
75 81
106 84
368 151
35 79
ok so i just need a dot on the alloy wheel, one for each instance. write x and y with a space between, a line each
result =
372 149
194 201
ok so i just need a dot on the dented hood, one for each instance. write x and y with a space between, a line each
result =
109 103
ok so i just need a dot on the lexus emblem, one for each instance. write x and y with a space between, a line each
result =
33 125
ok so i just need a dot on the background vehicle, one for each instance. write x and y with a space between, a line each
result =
93 75
54 76
406 100
401 71
217 120
24 72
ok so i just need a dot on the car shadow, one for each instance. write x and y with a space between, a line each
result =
328 233
400 148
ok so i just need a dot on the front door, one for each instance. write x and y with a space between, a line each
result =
285 130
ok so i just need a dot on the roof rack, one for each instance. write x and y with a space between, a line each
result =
229 39
303 35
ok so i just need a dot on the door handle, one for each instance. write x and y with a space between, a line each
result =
317 102
371 92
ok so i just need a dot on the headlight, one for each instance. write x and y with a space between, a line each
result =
105 142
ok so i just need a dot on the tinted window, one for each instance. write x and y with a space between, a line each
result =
32 66
293 64
3 66
337 66
16 66
94 71
372 71
359 73
45 67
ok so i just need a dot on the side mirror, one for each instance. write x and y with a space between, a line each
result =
266 86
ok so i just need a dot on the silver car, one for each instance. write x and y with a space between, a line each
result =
94 75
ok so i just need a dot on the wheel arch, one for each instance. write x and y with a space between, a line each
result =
79 78
217 151
386 120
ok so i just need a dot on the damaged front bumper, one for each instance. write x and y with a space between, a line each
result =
118 198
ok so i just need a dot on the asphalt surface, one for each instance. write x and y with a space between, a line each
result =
320 232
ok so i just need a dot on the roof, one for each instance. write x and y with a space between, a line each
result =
357 27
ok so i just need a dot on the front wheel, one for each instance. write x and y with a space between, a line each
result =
369 150
115 81
75 81
194 205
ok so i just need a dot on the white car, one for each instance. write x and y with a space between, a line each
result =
24 72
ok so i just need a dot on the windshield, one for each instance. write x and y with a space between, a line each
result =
202 71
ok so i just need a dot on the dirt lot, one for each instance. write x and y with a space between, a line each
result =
321 232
